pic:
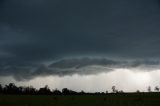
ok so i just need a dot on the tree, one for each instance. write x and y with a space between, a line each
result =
1 89
44 90
149 89
56 92
26 90
65 91
138 91
121 91
114 89
82 92
11 88
156 88
21 90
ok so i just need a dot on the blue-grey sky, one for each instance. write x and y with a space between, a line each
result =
84 37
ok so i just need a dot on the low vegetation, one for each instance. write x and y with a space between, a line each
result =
11 95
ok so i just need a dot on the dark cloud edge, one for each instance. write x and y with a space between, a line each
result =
75 65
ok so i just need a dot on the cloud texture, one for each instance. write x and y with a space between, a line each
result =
35 32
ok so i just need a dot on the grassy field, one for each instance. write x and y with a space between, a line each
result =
145 99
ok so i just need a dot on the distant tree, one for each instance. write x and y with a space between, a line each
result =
102 93
56 92
106 92
27 90
121 91
97 93
138 91
156 88
44 90
65 91
21 90
82 92
149 89
114 89
1 89
11 89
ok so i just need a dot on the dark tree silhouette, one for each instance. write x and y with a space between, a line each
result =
1 89
114 89
56 92
149 89
44 90
138 91
121 91
82 92
65 91
21 90
28 90
156 88
11 89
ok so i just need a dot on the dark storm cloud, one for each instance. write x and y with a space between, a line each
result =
74 65
34 32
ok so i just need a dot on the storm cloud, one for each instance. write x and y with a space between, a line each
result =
74 65
35 33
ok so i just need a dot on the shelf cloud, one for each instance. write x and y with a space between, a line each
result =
75 65
33 33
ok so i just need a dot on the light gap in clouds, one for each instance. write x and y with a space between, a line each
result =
128 80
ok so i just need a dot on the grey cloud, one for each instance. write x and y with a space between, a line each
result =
33 32
120 28
80 62
71 66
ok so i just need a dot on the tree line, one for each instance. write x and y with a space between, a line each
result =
11 88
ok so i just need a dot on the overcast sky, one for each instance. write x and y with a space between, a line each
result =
59 38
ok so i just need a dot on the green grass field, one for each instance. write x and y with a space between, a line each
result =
146 99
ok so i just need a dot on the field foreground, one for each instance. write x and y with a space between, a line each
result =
137 99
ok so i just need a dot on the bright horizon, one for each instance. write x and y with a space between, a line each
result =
124 79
